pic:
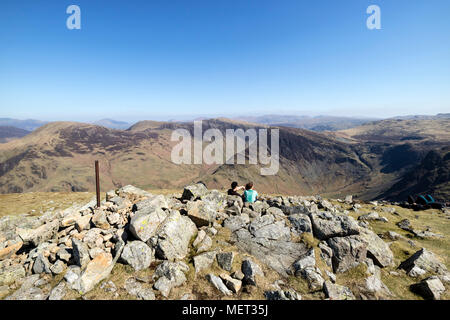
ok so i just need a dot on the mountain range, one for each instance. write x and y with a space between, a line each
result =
371 161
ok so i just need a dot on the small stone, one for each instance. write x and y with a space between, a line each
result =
337 292
218 284
58 267
231 283
225 260
58 292
80 253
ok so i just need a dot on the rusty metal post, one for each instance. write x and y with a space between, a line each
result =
97 183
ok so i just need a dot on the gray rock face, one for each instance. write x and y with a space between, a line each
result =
279 255
375 285
173 236
58 292
72 274
80 253
235 223
194 191
430 288
337 292
218 284
377 249
267 227
202 213
145 222
225 260
348 252
326 225
205 244
204 261
41 265
138 255
134 288
58 267
301 223
314 278
31 293
250 270
421 262
326 253
157 201
308 260
169 275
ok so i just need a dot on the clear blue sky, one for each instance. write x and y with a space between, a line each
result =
164 58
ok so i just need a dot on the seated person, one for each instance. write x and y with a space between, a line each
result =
250 195
234 189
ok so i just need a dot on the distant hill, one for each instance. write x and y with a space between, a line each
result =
28 125
113 124
366 161
317 123
10 133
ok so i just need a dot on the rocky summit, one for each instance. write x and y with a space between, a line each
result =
204 244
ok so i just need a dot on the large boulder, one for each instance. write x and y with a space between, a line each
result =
132 193
377 249
430 288
138 255
277 254
145 222
421 262
201 212
157 201
301 223
97 270
326 225
236 222
266 227
173 236
348 252
39 235
194 191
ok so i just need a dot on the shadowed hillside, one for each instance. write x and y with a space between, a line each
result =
365 161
